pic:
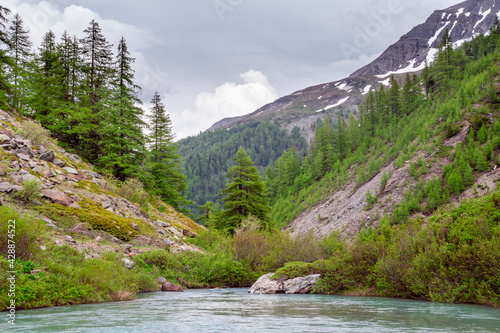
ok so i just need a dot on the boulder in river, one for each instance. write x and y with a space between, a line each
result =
299 285
169 286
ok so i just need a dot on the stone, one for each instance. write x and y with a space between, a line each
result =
163 224
106 204
28 177
15 166
58 162
42 150
71 170
98 239
70 240
128 263
9 146
80 228
50 174
301 285
172 287
4 139
92 174
188 233
32 164
47 220
76 198
16 188
25 151
174 231
5 187
161 279
60 198
23 156
39 169
75 158
265 285
168 242
48 156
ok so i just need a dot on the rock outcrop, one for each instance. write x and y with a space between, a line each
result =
169 286
299 285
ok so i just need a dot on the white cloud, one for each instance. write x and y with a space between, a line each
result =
228 100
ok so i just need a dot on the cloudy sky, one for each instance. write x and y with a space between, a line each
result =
211 59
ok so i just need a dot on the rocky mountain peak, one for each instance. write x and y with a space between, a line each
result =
408 55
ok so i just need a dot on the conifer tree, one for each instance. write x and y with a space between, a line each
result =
99 71
244 195
165 177
4 59
122 140
20 53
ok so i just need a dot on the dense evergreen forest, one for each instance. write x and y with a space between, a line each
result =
86 95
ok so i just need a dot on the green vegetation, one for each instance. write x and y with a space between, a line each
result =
60 275
453 258
86 96
244 196
208 156
396 123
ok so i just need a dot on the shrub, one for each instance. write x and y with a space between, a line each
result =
36 133
27 230
133 190
30 191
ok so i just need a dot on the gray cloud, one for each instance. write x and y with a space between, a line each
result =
194 48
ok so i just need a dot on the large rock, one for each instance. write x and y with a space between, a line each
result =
60 198
169 286
71 171
300 285
58 162
266 285
5 187
4 139
48 156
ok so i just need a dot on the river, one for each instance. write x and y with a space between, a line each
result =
234 310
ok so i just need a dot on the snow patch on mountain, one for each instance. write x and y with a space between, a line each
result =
460 12
367 89
433 38
484 14
339 103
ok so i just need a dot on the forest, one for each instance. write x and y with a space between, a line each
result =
86 95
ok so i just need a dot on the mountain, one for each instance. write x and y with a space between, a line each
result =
408 55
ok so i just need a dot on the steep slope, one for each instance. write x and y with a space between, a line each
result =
63 190
408 55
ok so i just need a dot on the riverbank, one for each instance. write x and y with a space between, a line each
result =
450 257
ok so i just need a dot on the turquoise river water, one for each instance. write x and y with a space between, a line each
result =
234 310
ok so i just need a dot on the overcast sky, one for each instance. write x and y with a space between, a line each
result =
211 59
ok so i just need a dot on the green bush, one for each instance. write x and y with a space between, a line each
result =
21 235
36 133
30 190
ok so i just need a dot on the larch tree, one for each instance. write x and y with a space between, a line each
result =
98 68
20 53
5 61
122 139
165 175
244 195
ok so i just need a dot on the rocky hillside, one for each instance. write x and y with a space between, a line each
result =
408 55
79 206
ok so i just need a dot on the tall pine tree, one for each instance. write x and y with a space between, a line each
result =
244 195
164 177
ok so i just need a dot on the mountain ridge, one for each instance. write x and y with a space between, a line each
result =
408 55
